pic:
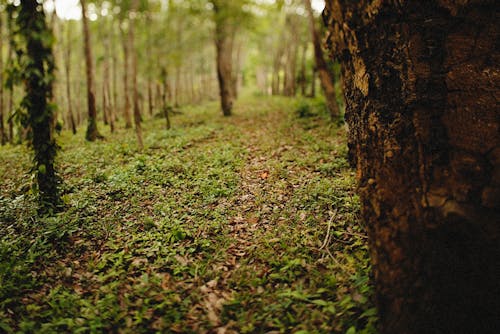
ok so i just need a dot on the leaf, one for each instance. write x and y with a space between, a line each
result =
320 302
351 330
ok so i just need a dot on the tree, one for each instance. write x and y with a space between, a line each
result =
225 30
67 72
3 137
419 81
325 75
135 90
92 132
126 58
37 75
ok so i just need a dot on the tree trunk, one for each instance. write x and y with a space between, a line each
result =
3 137
302 75
10 121
10 85
290 80
114 67
275 85
224 49
92 131
150 50
67 71
325 76
38 84
164 104
237 71
421 85
126 51
106 85
135 90
313 83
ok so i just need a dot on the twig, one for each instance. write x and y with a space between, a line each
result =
327 237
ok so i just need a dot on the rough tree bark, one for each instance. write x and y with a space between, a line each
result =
224 47
92 132
325 76
38 78
422 88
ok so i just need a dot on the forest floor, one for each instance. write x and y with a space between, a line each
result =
247 224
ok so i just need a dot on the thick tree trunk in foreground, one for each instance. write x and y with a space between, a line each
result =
92 131
224 49
422 89
325 76
38 82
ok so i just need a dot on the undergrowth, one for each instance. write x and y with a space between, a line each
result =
242 225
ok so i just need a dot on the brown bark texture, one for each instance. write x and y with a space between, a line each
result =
92 131
421 84
325 75
224 39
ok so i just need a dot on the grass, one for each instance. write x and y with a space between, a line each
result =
217 226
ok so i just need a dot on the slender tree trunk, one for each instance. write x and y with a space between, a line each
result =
302 76
38 72
289 84
276 72
10 86
223 46
421 85
3 137
92 131
106 90
325 76
135 90
114 66
10 121
67 71
126 98
165 106
151 52
313 82
290 81
177 92
237 69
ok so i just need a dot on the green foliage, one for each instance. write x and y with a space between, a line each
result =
32 41
153 240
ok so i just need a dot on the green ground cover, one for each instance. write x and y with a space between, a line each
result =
247 224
